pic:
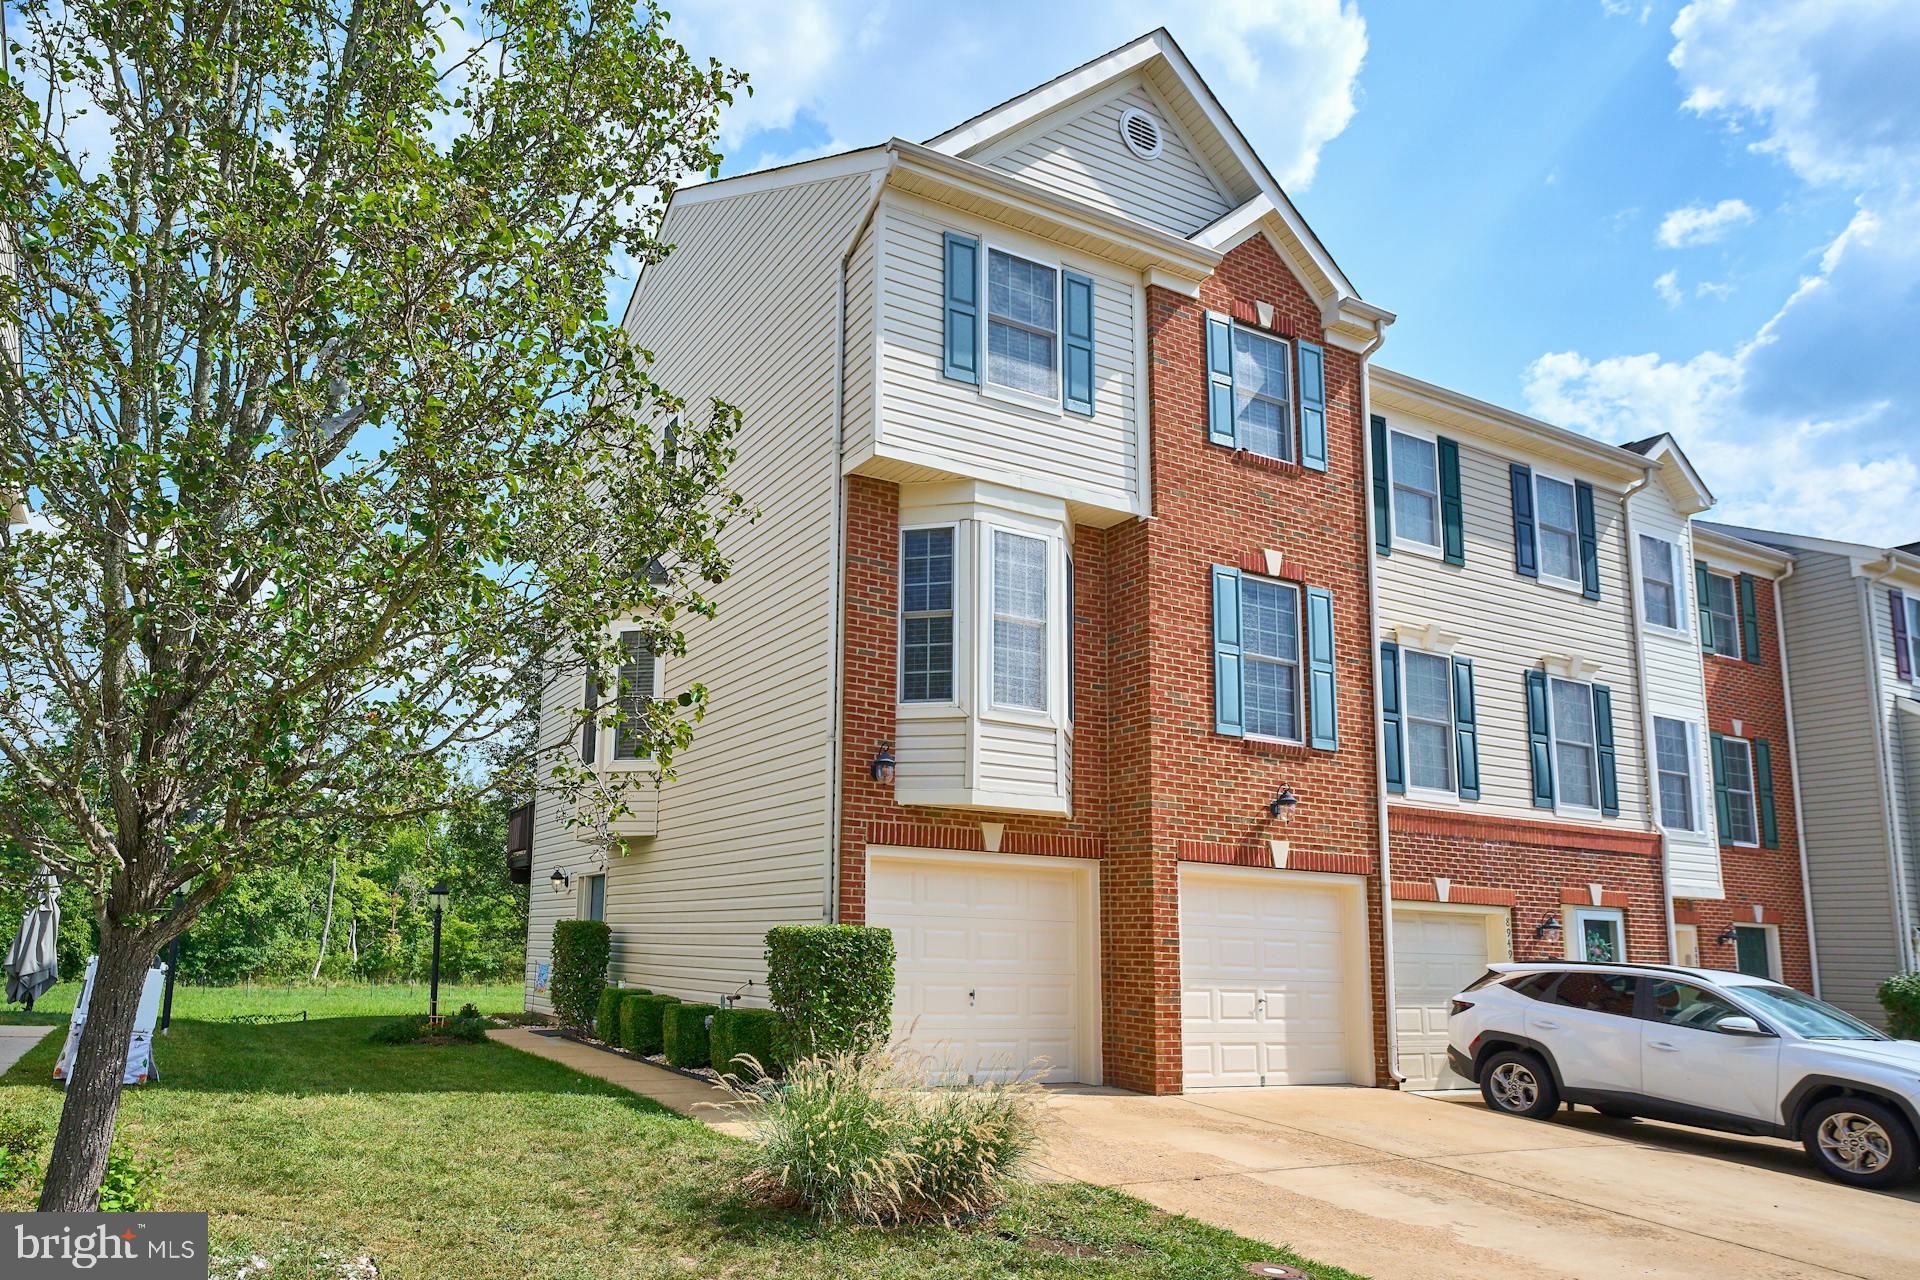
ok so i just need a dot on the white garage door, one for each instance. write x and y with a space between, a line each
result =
988 976
1264 994
1435 954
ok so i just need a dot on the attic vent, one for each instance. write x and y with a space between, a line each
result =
1141 133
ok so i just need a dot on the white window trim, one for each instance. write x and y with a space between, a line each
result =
1560 806
925 705
1539 556
1577 918
1400 541
1752 793
991 707
1694 738
1772 935
583 896
1738 631
608 734
1053 405
1299 660
1452 794
1291 427
1680 601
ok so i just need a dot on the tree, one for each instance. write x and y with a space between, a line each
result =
325 429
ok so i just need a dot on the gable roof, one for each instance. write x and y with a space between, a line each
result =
1676 471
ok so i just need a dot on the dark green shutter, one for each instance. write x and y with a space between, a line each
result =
1763 793
1393 746
1722 806
1228 715
963 308
1700 605
1589 540
1323 716
1466 731
1749 621
590 727
1539 740
1076 388
1603 742
1453 529
1382 489
1220 427
1526 547
1313 407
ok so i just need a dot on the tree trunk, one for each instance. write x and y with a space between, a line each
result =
327 928
79 1161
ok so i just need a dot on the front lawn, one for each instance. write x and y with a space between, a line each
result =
313 1148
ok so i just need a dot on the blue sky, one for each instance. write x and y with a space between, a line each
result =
1625 217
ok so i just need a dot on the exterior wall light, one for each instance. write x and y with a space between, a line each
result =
884 767
1550 925
559 880
1282 805
1727 937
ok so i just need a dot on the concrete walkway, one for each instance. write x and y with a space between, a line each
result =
692 1098
14 1043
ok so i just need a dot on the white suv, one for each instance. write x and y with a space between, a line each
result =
1697 1046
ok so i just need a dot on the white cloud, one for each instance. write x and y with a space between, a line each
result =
1667 285
1696 224
790 49
1721 289
1624 9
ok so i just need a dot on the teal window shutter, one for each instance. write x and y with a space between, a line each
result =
1393 742
1228 715
1220 428
1077 342
963 308
1382 489
1700 605
1722 807
1453 526
1763 793
1539 740
1526 546
1323 716
1603 742
1749 621
590 725
1313 407
1589 541
1466 730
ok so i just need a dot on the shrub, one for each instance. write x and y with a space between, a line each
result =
580 951
20 1139
833 986
1900 995
749 1033
861 1137
683 1033
129 1186
606 1023
415 1028
642 1024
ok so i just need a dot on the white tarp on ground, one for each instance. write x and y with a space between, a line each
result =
140 1068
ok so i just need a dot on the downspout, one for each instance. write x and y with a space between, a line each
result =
1793 771
836 620
1883 749
1379 711
1647 772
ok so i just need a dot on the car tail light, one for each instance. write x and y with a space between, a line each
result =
1459 1006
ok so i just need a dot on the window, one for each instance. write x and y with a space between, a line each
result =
1659 590
1019 621
1910 608
1261 395
1753 950
1022 325
1270 623
1743 822
1558 528
593 897
1613 993
1596 935
1681 1004
1576 756
926 615
637 678
1416 490
1538 986
1814 1019
1429 713
1673 758
1724 614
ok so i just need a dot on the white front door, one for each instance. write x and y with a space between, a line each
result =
1683 1059
988 977
1265 961
1435 954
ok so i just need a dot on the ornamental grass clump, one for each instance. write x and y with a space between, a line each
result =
863 1136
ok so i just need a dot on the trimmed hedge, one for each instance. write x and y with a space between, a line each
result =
642 1024
753 1032
833 986
683 1029
580 951
606 1027
1900 996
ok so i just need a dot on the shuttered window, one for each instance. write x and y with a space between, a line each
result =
1905 610
926 615
1415 473
1270 636
1273 670
1576 753
1023 325
1019 621
1429 721
1557 526
1722 611
1743 812
1262 399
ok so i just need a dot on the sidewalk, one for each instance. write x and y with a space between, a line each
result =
668 1088
15 1041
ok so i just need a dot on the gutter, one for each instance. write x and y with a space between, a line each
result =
1793 770
1649 774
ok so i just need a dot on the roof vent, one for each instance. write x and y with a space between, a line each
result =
1141 133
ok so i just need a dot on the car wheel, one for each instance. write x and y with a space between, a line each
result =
1518 1083
1859 1141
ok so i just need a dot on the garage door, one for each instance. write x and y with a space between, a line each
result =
1435 954
1264 990
988 970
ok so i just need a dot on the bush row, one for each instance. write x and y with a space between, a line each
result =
1900 996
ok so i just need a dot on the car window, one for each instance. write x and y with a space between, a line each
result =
1681 1004
1598 992
1537 986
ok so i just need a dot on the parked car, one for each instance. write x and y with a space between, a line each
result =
1702 1047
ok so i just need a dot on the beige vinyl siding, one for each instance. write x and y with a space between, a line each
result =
1842 807
555 845
1900 765
1507 624
932 752
862 349
930 426
1086 158
1020 759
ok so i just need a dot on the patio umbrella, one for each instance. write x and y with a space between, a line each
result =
33 962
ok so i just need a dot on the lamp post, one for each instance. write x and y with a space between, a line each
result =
439 895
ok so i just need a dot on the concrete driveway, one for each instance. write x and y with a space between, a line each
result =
1406 1187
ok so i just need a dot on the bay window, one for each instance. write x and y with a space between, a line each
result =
926 615
1019 621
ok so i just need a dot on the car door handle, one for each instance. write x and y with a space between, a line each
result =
1665 1046
1544 1025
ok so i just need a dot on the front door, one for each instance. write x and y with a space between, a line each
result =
1684 1059
1751 953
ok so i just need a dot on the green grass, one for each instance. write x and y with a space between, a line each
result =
319 1001
308 1145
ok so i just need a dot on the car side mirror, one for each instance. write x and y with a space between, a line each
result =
1740 1026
